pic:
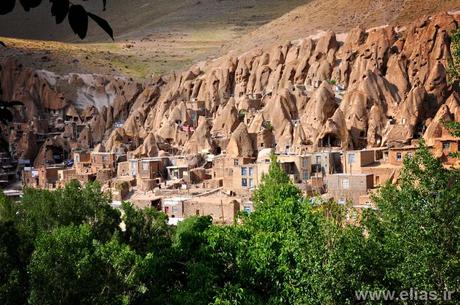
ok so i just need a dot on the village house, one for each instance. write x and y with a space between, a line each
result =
82 162
223 170
145 173
222 209
173 207
48 176
371 161
30 177
244 174
354 160
124 169
69 174
103 160
382 172
297 167
396 155
325 163
245 178
349 187
149 174
445 147
178 172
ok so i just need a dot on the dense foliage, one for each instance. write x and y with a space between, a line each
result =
71 247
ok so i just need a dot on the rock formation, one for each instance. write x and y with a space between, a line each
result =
384 86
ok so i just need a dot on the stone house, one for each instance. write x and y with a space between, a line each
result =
67 175
247 176
396 155
150 168
103 160
222 209
349 187
178 173
326 163
82 162
173 207
298 167
354 160
48 176
223 169
30 177
444 147
382 172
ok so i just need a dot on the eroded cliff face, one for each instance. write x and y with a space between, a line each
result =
61 112
369 88
384 86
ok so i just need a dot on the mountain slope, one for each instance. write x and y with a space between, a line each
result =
384 86
339 16
135 18
151 37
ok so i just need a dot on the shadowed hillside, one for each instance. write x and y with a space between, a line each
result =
150 36
339 16
137 18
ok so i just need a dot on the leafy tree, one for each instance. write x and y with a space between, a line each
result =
146 230
7 208
198 274
454 64
291 250
453 127
418 226
43 210
69 266
13 276
61 9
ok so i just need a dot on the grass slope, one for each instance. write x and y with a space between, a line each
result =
339 16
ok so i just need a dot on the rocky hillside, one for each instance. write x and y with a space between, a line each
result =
151 37
369 88
340 16
165 35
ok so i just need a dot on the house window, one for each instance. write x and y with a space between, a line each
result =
345 184
305 162
197 212
244 182
105 158
243 171
305 175
351 158
145 166
236 162
318 159
398 156
251 171
251 182
377 180
446 145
